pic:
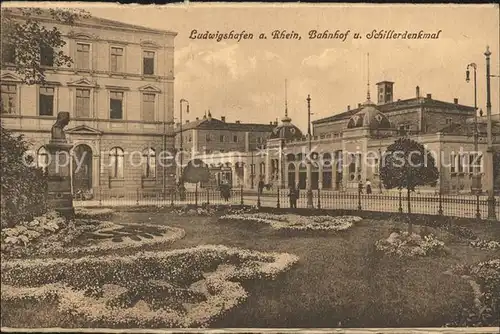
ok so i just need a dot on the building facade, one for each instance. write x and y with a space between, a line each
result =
346 148
233 150
119 92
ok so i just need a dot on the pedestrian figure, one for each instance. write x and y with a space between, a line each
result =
360 187
292 194
225 191
368 187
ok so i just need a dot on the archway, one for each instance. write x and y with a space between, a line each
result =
82 168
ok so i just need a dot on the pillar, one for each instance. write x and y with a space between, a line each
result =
297 175
320 176
60 197
267 169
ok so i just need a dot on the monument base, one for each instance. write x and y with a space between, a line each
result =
60 197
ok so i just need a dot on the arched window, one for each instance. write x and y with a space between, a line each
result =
149 163
116 162
43 158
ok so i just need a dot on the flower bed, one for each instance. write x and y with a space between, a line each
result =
410 245
178 288
486 311
51 234
292 222
486 245
94 213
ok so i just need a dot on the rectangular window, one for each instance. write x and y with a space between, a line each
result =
221 138
46 56
83 56
148 106
207 137
235 139
9 99
83 102
452 163
148 62
46 101
116 105
460 160
117 60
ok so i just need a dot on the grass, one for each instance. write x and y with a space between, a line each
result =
340 280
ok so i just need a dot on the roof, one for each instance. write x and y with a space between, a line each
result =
94 21
468 129
397 105
369 116
216 124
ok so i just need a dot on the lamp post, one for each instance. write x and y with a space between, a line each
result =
476 177
489 151
252 170
180 129
309 192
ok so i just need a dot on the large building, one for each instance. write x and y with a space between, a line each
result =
223 145
346 147
119 92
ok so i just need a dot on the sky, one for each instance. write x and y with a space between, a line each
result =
245 80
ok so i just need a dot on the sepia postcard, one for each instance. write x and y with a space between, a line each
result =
250 167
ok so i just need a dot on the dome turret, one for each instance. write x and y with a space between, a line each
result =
369 116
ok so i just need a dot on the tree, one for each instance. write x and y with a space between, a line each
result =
29 47
23 184
196 171
407 165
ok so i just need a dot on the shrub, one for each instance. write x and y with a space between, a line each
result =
410 245
487 313
24 186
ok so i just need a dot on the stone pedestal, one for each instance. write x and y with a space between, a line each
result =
60 197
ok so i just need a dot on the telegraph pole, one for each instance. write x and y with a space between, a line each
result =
309 162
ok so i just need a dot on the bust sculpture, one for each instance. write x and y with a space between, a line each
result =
58 127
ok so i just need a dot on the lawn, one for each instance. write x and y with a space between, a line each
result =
340 279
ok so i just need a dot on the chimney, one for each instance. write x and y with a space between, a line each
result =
270 123
359 105
237 122
455 100
197 118
348 108
429 96
223 118
187 121
417 92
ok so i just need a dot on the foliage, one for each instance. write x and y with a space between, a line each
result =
487 312
52 234
196 171
410 245
177 288
24 36
24 186
292 222
407 164
96 213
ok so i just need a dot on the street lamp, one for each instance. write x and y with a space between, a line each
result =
309 192
476 176
491 186
252 169
181 142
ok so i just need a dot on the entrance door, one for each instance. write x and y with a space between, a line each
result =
82 168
